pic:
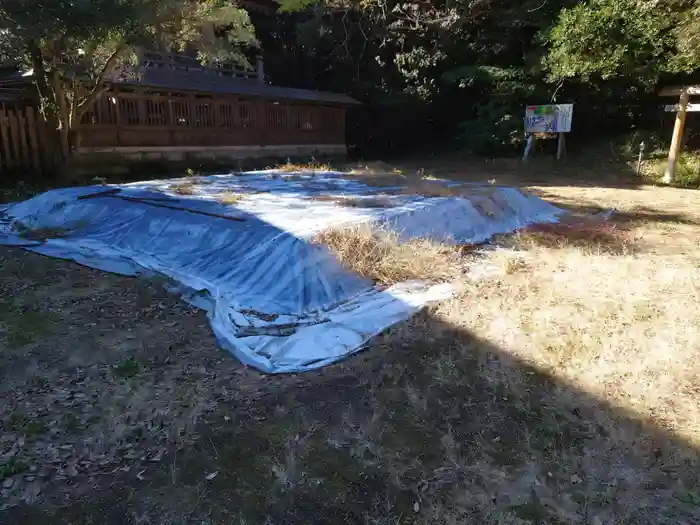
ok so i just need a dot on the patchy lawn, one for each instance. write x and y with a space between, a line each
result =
560 388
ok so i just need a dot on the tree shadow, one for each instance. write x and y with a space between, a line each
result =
633 215
430 425
583 170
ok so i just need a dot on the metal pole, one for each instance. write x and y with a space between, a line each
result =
642 146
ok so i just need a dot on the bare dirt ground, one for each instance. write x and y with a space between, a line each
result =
563 389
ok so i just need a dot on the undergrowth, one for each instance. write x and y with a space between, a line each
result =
687 170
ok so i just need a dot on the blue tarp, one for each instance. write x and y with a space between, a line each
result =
275 299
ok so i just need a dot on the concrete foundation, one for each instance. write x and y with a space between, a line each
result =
121 161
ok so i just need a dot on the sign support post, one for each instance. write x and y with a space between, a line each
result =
547 120
561 146
529 144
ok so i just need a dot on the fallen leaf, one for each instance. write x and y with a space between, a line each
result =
31 493
211 475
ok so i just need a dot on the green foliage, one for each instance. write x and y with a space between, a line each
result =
74 46
126 368
26 425
687 33
19 327
606 38
471 74
11 468
687 170
291 6
432 71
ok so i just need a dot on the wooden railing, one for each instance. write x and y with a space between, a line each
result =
137 119
189 65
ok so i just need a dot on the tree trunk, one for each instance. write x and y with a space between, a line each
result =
63 119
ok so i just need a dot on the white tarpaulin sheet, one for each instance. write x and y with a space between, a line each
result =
239 246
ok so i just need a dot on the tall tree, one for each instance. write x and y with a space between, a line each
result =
73 46
643 39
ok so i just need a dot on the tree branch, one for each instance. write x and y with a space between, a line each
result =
99 88
38 67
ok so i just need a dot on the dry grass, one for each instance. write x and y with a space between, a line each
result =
418 183
228 197
624 327
559 388
184 188
40 233
378 180
610 307
377 175
429 187
590 238
384 258
355 202
292 167
610 312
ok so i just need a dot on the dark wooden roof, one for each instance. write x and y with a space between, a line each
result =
163 79
11 75
202 82
14 86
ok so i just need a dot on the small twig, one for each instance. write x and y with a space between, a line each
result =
538 8
150 201
173 468
103 193
178 208
216 452
559 86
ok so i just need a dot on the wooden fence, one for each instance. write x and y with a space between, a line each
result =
28 144
139 119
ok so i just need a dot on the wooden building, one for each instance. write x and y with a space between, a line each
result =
171 104
171 108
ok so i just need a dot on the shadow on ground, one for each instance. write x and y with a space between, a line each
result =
635 215
581 170
431 425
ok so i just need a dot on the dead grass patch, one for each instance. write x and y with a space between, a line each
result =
228 197
562 388
419 183
44 233
624 327
355 202
292 167
589 238
378 180
385 258
184 188
430 187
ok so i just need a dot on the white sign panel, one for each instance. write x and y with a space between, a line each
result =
550 118
677 107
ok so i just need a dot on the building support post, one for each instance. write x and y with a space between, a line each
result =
677 142
260 69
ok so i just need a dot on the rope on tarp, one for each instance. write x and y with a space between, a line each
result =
115 193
